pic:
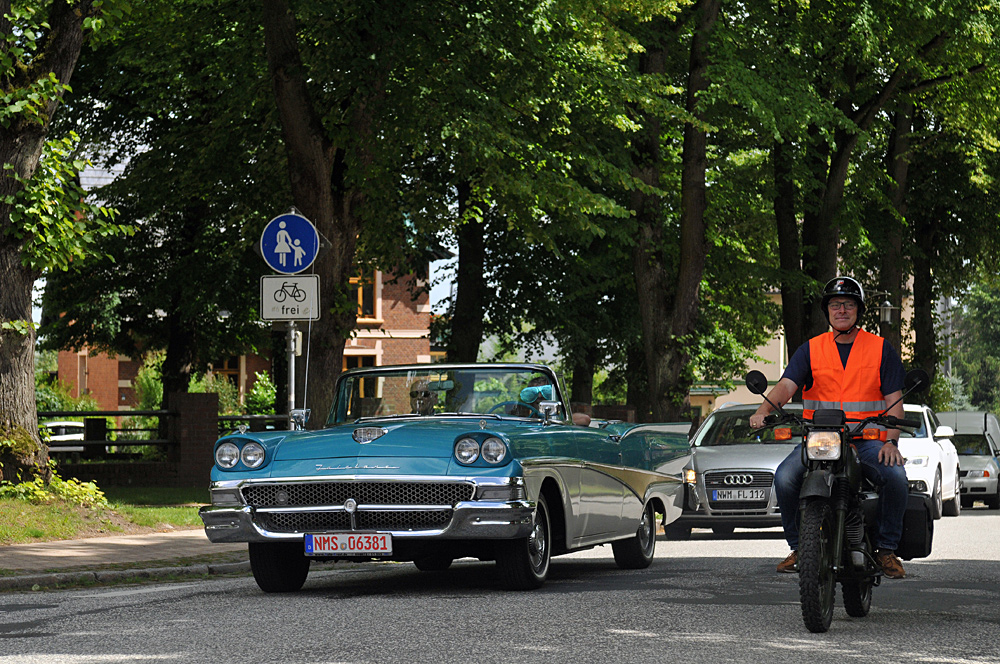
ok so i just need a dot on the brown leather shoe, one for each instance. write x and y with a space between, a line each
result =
891 567
790 564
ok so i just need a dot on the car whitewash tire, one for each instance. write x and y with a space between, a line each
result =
524 563
637 552
278 567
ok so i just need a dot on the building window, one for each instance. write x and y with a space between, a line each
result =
369 386
366 293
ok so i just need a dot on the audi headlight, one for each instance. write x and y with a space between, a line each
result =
227 455
823 445
493 450
918 461
466 450
252 455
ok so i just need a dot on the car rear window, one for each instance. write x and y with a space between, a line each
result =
971 443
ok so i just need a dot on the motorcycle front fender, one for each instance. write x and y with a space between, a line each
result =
817 484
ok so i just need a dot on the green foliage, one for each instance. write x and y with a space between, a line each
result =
51 215
86 494
229 396
148 382
260 400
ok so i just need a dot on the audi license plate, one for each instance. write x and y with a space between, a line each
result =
348 544
739 494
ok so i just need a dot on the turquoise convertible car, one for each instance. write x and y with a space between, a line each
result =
434 462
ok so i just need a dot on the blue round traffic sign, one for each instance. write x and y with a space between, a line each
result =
289 243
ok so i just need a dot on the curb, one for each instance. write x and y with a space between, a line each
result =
39 581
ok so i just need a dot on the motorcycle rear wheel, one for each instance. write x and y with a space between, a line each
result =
857 597
817 584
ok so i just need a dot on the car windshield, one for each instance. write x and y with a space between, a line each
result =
919 432
436 390
733 428
971 443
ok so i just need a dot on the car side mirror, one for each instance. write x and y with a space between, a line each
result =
944 431
756 382
548 409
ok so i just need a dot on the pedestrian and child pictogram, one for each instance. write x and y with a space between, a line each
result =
289 243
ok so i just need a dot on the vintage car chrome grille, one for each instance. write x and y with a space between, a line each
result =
758 479
298 522
301 494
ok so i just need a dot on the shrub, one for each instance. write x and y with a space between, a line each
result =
260 400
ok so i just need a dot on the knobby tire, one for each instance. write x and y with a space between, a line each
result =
816 581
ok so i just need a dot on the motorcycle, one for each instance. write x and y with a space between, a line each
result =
838 515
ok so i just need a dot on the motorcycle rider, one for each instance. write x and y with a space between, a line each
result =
860 373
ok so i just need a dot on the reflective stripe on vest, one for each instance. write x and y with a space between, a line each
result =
857 388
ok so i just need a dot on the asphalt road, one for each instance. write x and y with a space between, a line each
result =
710 599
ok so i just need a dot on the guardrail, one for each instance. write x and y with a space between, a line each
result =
101 441
228 423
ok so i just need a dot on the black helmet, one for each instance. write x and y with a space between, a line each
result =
843 287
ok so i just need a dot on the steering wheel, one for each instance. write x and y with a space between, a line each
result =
515 403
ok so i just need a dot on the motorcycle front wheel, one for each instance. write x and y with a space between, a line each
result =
816 581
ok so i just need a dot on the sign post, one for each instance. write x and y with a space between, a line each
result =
289 245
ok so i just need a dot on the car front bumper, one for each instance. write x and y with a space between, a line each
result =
699 512
480 519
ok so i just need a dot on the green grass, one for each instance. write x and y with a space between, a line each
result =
156 495
140 509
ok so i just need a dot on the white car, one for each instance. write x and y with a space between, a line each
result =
62 435
931 461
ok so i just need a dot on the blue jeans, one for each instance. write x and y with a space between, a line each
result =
892 496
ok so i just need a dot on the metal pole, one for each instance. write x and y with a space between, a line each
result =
290 347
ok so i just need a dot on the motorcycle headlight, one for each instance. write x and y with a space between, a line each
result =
823 445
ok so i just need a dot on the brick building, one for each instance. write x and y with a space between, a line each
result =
393 328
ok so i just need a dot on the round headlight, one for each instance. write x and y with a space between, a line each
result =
467 450
227 455
252 455
494 451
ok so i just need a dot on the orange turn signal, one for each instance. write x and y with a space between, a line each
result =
784 433
872 434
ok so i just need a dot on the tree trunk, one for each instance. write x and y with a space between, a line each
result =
317 171
925 352
891 267
789 250
21 143
637 392
669 315
584 362
470 282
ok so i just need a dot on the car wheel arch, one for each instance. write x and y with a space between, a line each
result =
556 499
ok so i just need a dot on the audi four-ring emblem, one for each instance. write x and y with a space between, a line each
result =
733 480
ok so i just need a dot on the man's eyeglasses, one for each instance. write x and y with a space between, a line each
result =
847 306
420 394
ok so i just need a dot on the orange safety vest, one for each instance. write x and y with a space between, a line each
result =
855 389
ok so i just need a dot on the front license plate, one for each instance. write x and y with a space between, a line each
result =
739 494
348 544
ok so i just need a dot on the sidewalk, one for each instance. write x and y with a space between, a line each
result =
107 559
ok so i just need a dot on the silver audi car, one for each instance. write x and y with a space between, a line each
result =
729 481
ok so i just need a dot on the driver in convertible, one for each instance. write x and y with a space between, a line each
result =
859 373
